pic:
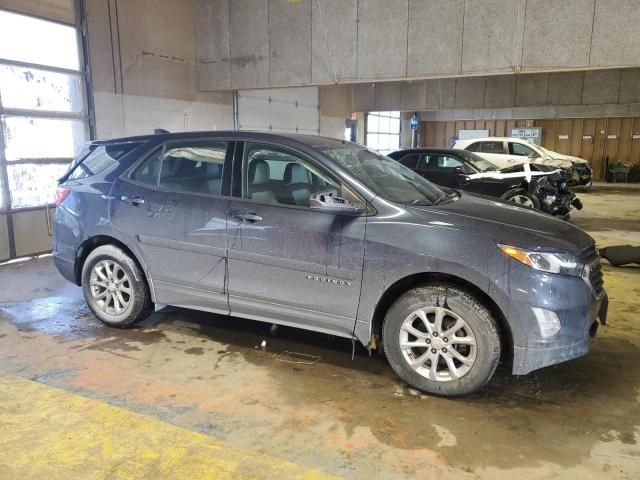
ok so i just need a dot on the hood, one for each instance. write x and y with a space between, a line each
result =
569 158
555 162
508 223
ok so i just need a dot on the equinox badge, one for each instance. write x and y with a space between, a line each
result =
331 281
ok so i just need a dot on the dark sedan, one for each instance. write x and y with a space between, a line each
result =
532 185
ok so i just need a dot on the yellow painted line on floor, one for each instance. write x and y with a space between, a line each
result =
48 433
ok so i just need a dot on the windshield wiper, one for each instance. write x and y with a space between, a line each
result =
446 197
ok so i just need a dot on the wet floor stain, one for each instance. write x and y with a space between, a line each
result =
195 351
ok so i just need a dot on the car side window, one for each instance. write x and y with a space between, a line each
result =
522 150
425 161
410 161
492 147
445 161
148 171
193 166
474 147
275 175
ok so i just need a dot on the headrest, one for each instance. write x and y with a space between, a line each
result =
258 172
213 170
295 173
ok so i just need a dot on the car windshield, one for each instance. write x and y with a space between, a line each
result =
479 163
386 177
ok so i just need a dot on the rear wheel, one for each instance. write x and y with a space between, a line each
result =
440 339
114 287
521 197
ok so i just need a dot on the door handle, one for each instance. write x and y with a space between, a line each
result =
137 200
248 217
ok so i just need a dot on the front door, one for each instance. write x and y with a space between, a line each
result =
171 208
288 263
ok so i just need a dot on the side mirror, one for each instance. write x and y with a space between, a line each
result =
329 201
459 171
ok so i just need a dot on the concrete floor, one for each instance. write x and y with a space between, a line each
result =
185 379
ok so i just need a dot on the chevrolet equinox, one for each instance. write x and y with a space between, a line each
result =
329 236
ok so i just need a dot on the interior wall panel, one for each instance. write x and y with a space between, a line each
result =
4 238
589 138
32 231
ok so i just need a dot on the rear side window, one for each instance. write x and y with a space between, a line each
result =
410 161
474 147
100 158
491 147
191 166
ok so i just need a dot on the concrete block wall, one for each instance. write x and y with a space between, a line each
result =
270 43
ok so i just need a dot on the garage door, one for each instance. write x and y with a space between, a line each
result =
286 110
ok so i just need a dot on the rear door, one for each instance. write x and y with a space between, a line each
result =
171 206
288 263
495 151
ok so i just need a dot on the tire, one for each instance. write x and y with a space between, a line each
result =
481 358
109 269
521 197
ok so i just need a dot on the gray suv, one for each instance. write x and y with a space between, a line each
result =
329 236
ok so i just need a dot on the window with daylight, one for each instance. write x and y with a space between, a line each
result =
43 121
383 131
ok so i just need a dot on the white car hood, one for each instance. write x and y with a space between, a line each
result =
570 158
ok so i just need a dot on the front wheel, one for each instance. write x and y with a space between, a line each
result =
114 287
441 340
521 197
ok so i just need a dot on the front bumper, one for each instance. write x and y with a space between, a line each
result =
581 176
528 359
577 303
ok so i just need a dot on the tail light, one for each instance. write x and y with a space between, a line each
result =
61 194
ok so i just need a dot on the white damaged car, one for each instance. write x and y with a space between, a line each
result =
507 151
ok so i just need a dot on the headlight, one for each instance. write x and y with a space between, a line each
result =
562 263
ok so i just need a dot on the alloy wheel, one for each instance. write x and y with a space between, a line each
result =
438 344
522 200
110 287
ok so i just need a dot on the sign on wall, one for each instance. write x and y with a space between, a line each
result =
469 134
530 134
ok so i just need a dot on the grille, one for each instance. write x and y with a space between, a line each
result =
594 275
582 169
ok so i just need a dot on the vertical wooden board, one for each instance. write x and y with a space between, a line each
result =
500 129
552 135
599 144
575 137
564 128
428 135
450 132
491 126
624 143
611 144
459 126
634 154
586 146
469 124
543 124
440 132
508 125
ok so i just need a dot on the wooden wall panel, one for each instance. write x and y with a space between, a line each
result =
594 148
634 151
575 137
